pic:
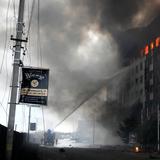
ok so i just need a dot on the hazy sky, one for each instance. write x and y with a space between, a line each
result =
77 45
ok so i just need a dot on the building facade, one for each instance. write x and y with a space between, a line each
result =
152 78
140 83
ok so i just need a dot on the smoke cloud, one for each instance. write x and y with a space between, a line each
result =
76 51
117 15
79 44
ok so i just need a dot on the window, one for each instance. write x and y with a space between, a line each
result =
151 60
136 80
151 96
151 81
151 75
151 67
141 79
141 66
137 69
141 92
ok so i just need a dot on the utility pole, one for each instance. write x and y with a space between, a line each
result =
29 122
158 146
15 80
93 140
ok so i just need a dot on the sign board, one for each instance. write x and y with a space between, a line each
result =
32 126
34 87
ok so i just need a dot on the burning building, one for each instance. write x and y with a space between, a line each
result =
152 78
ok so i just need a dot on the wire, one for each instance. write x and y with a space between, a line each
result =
3 107
7 75
27 45
29 26
14 9
38 34
5 55
30 19
6 35
4 111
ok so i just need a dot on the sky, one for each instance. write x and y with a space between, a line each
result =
77 44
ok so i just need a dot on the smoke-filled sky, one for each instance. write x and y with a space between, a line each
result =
77 41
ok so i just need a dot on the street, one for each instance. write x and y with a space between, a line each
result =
90 154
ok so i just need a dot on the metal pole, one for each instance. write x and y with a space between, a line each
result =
43 125
94 130
158 146
14 90
29 121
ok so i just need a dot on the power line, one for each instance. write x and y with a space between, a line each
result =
3 107
6 37
27 45
30 19
38 34
4 111
5 55
29 26
5 49
14 8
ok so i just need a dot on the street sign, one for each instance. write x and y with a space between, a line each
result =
32 126
34 87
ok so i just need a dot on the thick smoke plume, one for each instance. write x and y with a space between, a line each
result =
80 45
115 15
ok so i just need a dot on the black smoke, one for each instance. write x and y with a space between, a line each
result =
127 21
63 28
112 15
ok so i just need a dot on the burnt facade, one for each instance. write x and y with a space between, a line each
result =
152 78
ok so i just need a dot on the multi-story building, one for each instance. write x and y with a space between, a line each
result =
136 78
152 78
140 83
127 87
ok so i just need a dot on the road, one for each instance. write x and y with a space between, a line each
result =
89 154
70 150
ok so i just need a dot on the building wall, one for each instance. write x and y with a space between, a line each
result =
136 78
140 84
152 81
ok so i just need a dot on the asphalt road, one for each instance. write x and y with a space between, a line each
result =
46 153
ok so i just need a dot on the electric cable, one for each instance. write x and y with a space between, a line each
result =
38 34
5 55
14 9
6 37
29 27
3 107
30 19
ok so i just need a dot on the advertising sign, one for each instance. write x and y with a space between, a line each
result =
32 126
34 87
